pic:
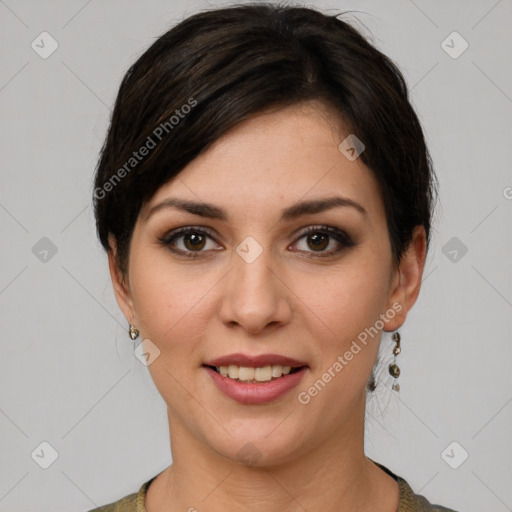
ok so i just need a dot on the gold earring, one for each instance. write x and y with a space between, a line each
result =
134 332
394 371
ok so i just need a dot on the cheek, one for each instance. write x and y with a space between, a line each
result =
342 316
172 308
171 302
342 308
347 298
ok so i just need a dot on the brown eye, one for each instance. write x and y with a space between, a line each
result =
318 238
188 241
194 241
318 241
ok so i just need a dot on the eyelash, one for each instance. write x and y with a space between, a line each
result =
340 236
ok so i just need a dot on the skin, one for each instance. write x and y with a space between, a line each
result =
309 456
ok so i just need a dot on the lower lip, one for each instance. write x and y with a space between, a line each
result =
257 393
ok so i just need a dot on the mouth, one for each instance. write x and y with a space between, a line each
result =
254 375
253 380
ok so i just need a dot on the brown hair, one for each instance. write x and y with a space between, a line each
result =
219 67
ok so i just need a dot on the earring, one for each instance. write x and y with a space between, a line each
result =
133 332
394 371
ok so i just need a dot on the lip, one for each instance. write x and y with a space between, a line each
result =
257 393
255 361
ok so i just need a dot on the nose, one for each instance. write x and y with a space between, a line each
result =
255 296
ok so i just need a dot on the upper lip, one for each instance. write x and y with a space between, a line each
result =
255 361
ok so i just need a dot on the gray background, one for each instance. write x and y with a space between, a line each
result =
68 374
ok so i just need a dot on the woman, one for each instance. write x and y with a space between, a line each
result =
264 195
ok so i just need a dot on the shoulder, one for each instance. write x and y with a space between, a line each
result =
409 501
132 503
126 504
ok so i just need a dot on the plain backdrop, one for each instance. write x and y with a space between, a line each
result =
81 423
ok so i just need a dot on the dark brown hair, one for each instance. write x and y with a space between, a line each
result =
222 66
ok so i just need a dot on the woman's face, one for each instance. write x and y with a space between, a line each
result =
256 284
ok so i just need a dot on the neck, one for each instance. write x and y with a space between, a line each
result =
333 476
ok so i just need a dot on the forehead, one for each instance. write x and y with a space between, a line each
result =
273 160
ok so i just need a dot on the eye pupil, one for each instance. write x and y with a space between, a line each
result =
319 240
194 238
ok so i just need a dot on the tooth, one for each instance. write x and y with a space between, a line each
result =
233 371
245 373
248 374
263 374
277 370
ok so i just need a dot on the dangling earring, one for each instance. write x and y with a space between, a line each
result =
134 332
394 371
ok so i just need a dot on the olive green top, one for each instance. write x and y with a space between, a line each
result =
409 502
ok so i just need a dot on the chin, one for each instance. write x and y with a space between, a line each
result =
258 443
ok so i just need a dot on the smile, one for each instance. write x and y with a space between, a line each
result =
252 380
253 375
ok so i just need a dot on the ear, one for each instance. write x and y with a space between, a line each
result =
407 282
119 282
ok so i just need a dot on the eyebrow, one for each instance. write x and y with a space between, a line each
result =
291 212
